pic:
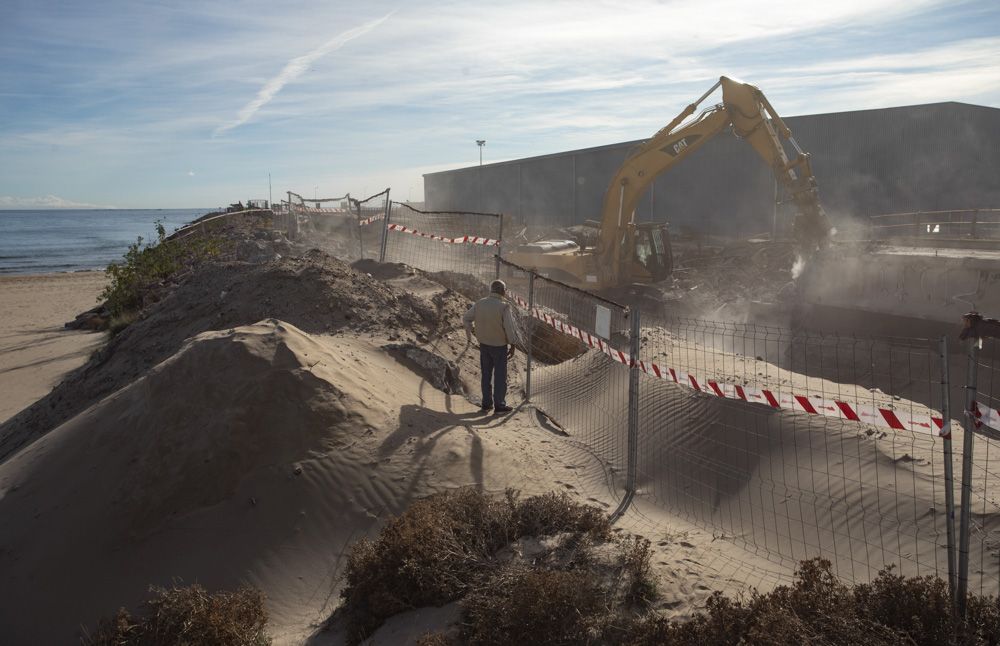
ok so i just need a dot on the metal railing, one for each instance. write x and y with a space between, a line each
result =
928 226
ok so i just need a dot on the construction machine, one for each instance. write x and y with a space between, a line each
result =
629 252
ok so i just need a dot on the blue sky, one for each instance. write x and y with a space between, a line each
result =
136 104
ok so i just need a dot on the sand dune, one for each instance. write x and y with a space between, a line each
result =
255 454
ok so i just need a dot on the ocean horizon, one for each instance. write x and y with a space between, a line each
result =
41 241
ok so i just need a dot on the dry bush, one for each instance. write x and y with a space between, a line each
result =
534 607
920 606
552 513
426 557
983 625
635 555
817 609
572 598
443 547
435 639
188 615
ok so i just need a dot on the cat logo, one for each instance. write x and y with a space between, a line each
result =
677 147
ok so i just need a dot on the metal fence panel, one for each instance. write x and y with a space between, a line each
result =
983 564
579 346
462 242
796 445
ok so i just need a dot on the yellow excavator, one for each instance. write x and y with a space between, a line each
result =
629 252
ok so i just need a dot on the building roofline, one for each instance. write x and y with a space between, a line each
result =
635 142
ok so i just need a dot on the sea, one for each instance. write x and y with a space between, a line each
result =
36 242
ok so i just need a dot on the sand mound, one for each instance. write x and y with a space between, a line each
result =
253 455
316 293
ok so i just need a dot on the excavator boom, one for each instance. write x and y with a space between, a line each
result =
752 118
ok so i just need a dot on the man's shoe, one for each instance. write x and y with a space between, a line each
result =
502 409
485 408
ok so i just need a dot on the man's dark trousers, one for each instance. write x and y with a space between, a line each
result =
493 366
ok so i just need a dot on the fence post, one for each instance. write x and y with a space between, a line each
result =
358 227
949 472
967 446
633 415
531 310
499 248
385 228
635 337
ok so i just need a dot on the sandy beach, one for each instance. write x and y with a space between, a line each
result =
35 349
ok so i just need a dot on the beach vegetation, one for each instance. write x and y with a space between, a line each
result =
819 609
188 615
147 264
458 544
547 570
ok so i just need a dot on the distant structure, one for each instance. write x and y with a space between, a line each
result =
937 156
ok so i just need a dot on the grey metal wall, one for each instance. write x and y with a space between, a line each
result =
925 157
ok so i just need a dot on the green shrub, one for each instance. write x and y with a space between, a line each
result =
147 263
190 615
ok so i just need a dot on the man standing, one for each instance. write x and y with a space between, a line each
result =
495 329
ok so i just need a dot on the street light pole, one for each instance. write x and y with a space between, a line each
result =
480 143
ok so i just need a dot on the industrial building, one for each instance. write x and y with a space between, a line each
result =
938 156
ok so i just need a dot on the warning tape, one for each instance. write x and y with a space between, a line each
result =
834 408
984 415
490 242
368 221
312 209
592 341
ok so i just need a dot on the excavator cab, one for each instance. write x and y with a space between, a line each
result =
652 260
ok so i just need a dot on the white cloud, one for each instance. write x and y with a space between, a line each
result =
45 202
294 68
190 173
964 70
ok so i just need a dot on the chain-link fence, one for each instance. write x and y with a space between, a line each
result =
462 242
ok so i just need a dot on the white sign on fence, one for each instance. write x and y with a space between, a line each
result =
603 323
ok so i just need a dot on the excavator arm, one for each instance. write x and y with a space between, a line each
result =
747 110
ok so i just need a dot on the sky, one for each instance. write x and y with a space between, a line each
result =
178 104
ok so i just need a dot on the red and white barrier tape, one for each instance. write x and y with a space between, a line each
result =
573 331
490 242
985 415
837 409
368 221
312 209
